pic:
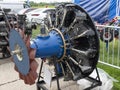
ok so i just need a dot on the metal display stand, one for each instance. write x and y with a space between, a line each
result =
40 82
95 81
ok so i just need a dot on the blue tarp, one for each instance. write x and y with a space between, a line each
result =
100 10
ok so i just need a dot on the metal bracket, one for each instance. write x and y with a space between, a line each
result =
95 81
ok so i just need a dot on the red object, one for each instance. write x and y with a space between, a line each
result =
35 14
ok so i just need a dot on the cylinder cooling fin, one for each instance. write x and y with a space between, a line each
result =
4 35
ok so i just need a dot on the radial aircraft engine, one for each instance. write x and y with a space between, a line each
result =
67 35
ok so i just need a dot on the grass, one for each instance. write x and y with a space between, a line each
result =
44 6
115 73
36 31
111 55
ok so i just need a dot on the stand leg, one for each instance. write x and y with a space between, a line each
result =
57 78
98 75
95 81
40 71
38 84
39 87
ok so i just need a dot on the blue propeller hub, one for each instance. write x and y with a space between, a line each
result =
51 45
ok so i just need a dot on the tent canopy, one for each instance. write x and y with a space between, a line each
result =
100 10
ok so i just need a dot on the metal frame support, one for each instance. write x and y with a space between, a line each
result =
40 82
95 81
56 72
